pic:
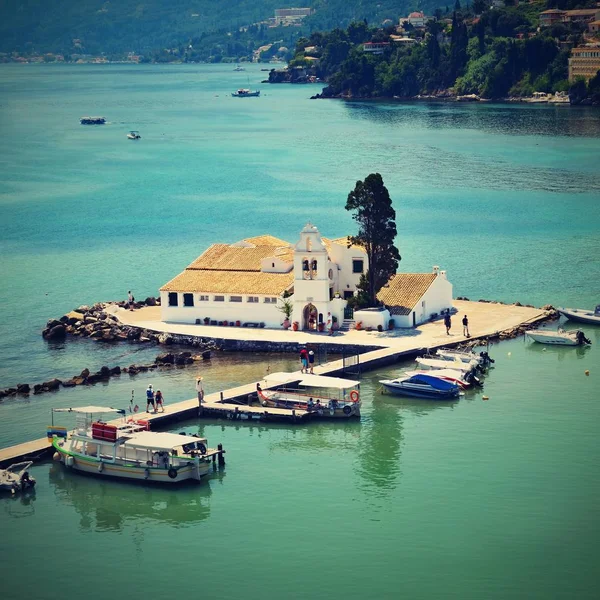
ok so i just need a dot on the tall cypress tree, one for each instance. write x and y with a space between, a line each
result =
376 220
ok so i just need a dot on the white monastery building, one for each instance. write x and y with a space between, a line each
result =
246 284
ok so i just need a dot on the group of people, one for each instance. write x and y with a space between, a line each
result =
154 400
307 360
448 324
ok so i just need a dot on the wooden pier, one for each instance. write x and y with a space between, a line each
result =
237 403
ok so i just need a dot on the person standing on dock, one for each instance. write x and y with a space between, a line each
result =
130 299
329 324
304 360
447 322
465 323
311 361
200 390
150 398
159 401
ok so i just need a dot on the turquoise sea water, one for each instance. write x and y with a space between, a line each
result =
476 499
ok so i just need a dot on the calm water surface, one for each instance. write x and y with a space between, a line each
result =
474 499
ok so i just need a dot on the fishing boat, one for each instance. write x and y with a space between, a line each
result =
127 449
16 478
239 68
326 396
582 315
133 135
576 337
92 120
422 386
428 363
464 380
245 93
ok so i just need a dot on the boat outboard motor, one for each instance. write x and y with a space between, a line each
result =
581 339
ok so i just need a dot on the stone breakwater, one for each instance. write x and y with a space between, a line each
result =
86 377
95 323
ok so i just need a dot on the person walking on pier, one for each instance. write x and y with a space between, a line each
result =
159 401
150 399
311 361
447 322
465 323
304 360
329 324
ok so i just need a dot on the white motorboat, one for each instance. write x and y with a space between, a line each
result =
463 380
16 478
127 449
582 315
576 337
133 135
483 358
245 93
439 363
422 386
327 396
239 68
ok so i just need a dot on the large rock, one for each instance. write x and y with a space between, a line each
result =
51 385
85 373
23 388
69 383
38 388
150 301
168 358
115 370
58 332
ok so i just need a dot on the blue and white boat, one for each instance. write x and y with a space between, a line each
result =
245 93
422 386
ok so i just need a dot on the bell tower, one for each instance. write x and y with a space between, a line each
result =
311 279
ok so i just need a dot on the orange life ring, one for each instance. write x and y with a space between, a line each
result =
354 396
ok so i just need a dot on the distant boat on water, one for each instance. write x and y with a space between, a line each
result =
239 68
92 120
245 93
133 135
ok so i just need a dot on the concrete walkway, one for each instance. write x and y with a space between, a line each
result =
484 319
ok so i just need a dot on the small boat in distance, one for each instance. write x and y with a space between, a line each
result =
128 450
422 386
133 135
245 93
92 120
559 337
582 315
239 68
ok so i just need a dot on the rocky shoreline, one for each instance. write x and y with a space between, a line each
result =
162 361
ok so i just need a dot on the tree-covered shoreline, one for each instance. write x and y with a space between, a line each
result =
494 54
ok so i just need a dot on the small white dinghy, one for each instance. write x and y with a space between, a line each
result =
16 478
559 337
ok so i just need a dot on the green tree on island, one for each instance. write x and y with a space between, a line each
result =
376 232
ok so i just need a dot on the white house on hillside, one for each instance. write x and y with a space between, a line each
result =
246 282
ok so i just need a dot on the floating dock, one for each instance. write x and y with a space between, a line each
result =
489 320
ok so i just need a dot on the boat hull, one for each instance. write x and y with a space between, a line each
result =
407 390
555 340
582 316
290 401
95 466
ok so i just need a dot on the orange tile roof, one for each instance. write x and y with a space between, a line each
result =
223 282
223 257
266 240
404 290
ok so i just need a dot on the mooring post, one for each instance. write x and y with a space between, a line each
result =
221 394
221 455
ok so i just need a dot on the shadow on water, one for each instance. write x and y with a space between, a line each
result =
106 505
560 352
503 119
20 505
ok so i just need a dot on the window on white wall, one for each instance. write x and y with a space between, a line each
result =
235 298
202 298
188 299
357 265
252 298
219 298
173 299
269 300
